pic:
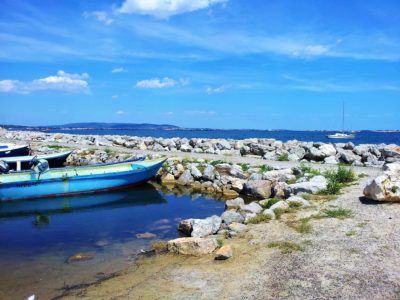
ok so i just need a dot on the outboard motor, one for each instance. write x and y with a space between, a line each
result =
39 165
4 167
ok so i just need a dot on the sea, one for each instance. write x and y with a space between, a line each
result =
361 137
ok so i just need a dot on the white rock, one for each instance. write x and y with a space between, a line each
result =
280 204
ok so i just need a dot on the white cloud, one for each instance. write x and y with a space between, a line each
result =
201 113
100 16
63 82
114 96
119 70
312 50
169 113
215 90
165 8
158 83
121 112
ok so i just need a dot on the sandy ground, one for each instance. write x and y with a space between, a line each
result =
352 258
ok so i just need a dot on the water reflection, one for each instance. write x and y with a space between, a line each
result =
37 237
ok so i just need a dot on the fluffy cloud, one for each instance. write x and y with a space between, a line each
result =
159 83
100 16
312 50
165 8
119 70
63 82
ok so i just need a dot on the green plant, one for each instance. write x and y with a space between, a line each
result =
220 242
341 175
280 211
283 157
245 167
350 233
264 168
307 169
216 162
394 189
56 147
292 180
271 202
286 247
339 213
295 204
333 187
260 218
301 226
109 152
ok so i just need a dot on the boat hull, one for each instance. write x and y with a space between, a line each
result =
45 188
14 151
56 160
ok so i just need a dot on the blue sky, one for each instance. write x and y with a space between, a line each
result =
201 63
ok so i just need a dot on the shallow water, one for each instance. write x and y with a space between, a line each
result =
38 236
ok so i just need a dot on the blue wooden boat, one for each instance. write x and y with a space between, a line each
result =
8 150
55 160
76 180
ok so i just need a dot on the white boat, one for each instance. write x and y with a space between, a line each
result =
342 135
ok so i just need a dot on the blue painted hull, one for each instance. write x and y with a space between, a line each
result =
73 185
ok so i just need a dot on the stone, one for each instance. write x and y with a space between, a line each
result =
228 193
277 175
383 188
269 212
279 190
230 216
313 186
81 256
146 235
186 227
168 179
209 173
293 157
331 160
194 246
392 168
315 154
280 204
237 185
258 188
237 227
234 203
298 201
224 253
186 178
327 150
247 216
204 227
348 157
253 207
195 172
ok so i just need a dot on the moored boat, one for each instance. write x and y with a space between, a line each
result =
8 150
55 160
76 180
343 136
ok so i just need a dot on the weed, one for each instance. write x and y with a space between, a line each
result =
280 211
292 180
109 152
306 169
159 246
220 242
260 218
271 202
341 175
217 162
362 175
301 226
332 188
56 147
265 168
245 167
362 224
283 157
295 204
286 247
350 233
339 213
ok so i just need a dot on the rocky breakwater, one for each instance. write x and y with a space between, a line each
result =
386 187
272 192
269 149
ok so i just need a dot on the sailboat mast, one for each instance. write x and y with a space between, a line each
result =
343 116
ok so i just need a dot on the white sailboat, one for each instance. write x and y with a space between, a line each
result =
342 135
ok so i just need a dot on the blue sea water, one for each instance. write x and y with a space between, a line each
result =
33 254
362 137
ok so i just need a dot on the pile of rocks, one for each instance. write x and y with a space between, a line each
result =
385 187
270 149
232 180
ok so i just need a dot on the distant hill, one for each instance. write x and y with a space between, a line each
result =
96 125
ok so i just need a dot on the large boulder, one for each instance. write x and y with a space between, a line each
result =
186 178
204 227
230 216
348 157
315 154
385 187
234 203
192 246
209 173
278 175
313 186
224 252
258 188
253 207
195 172
327 150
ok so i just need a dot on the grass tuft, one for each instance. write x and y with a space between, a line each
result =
350 233
265 168
245 167
220 243
286 247
56 147
283 157
260 218
338 213
302 226
271 202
